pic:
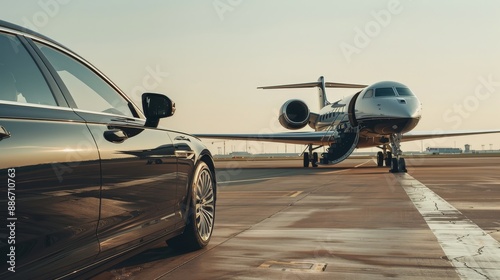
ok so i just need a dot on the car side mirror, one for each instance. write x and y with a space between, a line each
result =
155 107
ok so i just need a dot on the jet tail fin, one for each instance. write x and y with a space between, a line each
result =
321 84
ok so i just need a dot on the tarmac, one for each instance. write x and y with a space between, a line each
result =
353 220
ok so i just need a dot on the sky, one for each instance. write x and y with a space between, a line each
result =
210 56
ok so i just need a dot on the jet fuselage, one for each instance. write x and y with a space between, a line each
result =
380 110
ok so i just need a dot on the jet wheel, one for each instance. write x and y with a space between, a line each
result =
380 159
398 165
388 159
394 165
402 165
306 159
315 160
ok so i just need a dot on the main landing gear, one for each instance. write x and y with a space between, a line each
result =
313 159
384 157
393 158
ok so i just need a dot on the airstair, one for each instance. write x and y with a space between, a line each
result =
342 138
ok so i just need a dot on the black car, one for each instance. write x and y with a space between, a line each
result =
85 176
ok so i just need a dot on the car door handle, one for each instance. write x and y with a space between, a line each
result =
4 134
115 135
182 138
184 154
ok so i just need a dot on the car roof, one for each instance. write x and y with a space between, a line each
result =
27 31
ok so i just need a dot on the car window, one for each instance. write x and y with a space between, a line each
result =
20 78
89 91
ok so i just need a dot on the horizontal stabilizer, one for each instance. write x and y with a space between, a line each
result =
321 85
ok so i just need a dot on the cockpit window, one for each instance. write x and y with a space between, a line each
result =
368 94
380 92
404 91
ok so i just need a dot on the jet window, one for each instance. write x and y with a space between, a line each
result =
404 91
381 92
368 94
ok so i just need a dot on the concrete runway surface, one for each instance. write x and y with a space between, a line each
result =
277 220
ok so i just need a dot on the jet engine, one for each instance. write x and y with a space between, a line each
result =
294 114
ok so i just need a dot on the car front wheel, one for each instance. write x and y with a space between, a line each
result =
201 213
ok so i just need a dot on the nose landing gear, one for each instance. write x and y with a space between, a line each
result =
398 163
393 158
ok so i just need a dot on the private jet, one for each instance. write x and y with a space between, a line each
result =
380 115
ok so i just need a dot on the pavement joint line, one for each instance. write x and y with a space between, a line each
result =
347 169
200 253
247 180
472 251
359 165
234 235
336 171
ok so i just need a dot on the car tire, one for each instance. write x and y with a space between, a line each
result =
201 212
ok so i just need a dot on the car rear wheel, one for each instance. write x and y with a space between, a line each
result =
201 214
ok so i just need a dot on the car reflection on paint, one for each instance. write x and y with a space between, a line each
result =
92 177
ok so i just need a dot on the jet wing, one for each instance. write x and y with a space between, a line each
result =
314 137
421 135
321 137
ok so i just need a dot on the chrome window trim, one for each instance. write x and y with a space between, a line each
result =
34 105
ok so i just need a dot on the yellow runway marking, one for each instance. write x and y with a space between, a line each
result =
295 194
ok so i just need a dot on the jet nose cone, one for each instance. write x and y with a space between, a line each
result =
407 108
409 113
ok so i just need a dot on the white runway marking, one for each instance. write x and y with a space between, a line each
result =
473 253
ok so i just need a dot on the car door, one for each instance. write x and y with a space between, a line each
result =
185 153
138 163
49 171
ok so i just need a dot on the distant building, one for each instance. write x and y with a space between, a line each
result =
467 148
446 150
